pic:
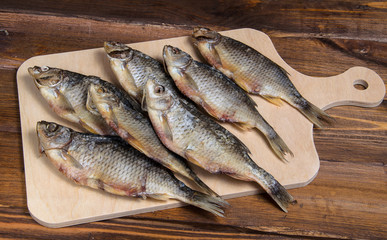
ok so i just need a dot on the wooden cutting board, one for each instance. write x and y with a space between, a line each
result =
55 201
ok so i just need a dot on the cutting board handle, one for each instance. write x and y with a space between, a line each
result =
358 86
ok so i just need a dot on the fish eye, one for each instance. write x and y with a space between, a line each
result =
52 127
159 89
45 68
101 90
53 82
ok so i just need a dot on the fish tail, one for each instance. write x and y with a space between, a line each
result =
209 203
276 191
277 144
314 114
184 170
201 184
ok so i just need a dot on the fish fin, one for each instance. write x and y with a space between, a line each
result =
191 82
96 183
61 104
158 196
133 102
200 183
279 146
252 102
210 110
315 114
276 191
71 160
165 127
214 57
274 100
113 123
133 141
243 126
235 140
93 129
90 106
209 203
144 106
190 156
245 86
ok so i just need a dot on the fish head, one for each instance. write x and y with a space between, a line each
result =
157 96
174 57
52 135
205 35
118 51
101 98
46 76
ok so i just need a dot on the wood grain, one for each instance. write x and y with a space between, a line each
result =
312 18
329 208
55 202
317 38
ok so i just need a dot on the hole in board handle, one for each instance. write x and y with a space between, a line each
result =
360 84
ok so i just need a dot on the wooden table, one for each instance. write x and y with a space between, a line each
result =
318 38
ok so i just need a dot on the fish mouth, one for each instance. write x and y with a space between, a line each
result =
118 50
170 52
176 57
166 54
111 46
167 51
90 105
43 77
200 32
204 34
36 70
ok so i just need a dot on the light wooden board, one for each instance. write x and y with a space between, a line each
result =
55 201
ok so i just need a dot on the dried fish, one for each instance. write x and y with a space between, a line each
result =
205 143
253 72
218 95
110 164
66 93
121 113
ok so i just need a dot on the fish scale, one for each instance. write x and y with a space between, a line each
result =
253 72
218 95
205 143
66 93
133 68
135 127
115 167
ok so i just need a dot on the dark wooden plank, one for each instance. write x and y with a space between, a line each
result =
357 135
313 57
322 60
9 114
318 38
335 205
344 19
334 198
64 34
